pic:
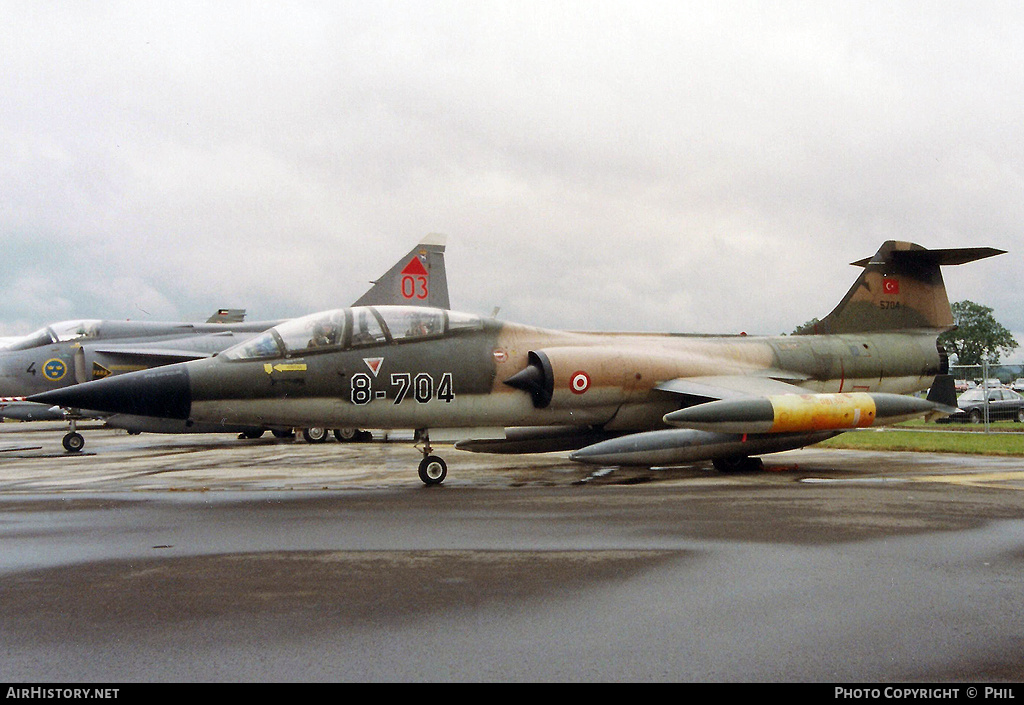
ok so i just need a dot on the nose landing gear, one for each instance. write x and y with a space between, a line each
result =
432 468
73 440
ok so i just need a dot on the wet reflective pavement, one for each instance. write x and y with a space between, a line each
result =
208 558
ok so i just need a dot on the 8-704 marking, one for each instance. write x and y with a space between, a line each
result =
422 387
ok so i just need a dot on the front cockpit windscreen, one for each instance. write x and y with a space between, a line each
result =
350 328
63 332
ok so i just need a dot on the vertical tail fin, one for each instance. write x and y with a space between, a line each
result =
943 392
900 288
227 315
418 279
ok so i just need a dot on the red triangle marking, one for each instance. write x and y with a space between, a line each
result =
374 364
415 267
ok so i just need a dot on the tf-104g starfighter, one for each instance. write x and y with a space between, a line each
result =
610 398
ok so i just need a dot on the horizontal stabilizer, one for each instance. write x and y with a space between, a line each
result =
942 257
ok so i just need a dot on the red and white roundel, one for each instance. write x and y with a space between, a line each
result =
579 382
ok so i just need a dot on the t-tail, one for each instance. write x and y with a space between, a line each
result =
418 279
900 288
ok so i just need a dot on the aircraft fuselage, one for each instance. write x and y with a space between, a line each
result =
607 380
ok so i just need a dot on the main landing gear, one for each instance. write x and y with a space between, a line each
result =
432 468
318 434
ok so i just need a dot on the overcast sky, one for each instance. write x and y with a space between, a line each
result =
629 165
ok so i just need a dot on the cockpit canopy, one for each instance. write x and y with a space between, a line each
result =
63 332
347 328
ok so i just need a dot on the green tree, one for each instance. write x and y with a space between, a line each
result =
806 326
978 336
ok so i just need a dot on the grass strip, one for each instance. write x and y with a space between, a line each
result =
972 442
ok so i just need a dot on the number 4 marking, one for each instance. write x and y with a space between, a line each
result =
444 389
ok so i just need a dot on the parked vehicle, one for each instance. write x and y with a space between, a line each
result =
962 385
1002 404
1018 384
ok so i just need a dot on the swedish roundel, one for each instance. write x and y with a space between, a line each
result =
54 369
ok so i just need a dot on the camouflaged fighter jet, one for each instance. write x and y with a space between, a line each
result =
74 352
610 398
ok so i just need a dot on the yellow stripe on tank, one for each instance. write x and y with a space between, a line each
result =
819 412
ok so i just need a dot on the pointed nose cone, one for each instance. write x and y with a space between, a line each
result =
163 392
529 379
532 379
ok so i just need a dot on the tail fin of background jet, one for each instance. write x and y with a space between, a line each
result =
419 278
227 315
900 288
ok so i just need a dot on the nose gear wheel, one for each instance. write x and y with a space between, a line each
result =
433 470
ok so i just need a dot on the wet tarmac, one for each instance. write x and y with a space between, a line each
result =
213 559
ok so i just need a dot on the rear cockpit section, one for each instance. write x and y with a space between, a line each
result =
344 329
